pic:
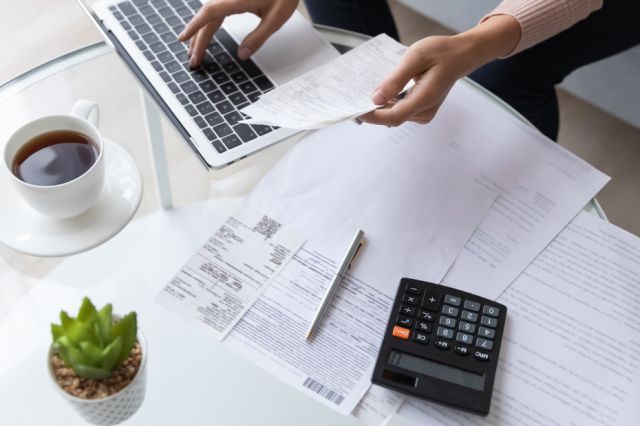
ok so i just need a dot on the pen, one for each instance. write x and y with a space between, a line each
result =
347 259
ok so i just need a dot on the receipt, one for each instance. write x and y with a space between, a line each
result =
335 91
225 277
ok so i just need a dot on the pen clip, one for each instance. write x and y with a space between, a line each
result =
356 253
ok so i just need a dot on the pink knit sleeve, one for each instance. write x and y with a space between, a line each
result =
542 19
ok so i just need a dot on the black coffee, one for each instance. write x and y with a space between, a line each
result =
54 157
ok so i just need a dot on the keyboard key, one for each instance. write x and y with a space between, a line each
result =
224 107
491 311
431 301
471 306
263 83
260 129
191 110
245 132
461 349
404 321
450 310
486 333
420 337
136 20
141 45
205 108
232 141
425 316
143 28
140 3
210 135
133 35
237 99
156 66
239 77
400 332
232 118
165 76
447 322
222 130
118 16
165 57
150 38
410 299
182 57
220 77
207 85
166 12
147 10
253 97
467 327
214 119
199 75
184 12
481 356
489 322
197 97
210 66
442 344
176 3
127 8
168 37
218 145
452 300
200 122
176 47
188 87
154 18
464 338
161 28
447 333
214 48
408 310
148 55
125 25
222 58
247 87
180 77
173 20
215 96
172 67
424 327
194 5
228 87
182 98
159 3
469 316
230 67
485 344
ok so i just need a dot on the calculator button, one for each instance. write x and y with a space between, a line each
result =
425 316
484 344
448 322
443 345
469 316
404 321
420 337
450 310
401 332
413 289
487 333
481 356
452 300
489 322
461 349
467 327
431 302
447 333
410 299
408 310
464 338
491 310
424 327
472 306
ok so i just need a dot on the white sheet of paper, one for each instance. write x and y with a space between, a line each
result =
388 182
377 406
224 278
570 349
335 91
541 187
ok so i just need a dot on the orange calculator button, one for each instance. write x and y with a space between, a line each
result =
401 332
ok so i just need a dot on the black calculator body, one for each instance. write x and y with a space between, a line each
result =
441 344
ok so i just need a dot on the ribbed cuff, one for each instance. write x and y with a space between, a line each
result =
542 19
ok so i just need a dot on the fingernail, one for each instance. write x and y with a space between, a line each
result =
378 97
181 36
244 53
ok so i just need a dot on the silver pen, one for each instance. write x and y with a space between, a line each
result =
347 259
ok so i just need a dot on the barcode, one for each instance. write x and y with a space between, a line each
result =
324 391
267 227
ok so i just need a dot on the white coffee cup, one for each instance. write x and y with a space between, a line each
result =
76 196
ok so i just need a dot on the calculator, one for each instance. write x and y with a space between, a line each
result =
441 344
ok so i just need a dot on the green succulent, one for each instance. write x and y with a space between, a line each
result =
93 344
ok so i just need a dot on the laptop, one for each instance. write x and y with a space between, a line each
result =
204 104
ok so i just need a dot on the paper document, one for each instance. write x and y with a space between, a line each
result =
377 406
225 277
389 183
570 350
335 91
541 187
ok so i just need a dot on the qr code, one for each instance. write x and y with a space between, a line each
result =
267 227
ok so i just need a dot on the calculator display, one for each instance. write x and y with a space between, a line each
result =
437 370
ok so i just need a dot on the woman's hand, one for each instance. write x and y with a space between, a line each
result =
273 14
435 63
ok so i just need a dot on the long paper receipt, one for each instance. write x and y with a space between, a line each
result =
225 277
335 91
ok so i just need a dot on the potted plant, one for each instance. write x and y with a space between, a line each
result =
97 362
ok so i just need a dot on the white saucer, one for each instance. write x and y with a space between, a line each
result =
27 231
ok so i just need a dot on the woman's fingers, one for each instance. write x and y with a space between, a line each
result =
213 11
200 41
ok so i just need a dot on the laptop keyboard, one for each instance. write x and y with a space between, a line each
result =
212 94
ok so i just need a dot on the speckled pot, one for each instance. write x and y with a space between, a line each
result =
113 409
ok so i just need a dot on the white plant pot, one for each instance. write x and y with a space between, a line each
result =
115 408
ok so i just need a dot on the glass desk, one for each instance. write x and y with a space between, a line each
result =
192 380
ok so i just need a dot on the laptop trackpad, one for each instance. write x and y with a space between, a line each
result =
293 50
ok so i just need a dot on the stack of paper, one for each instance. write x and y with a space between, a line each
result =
338 90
